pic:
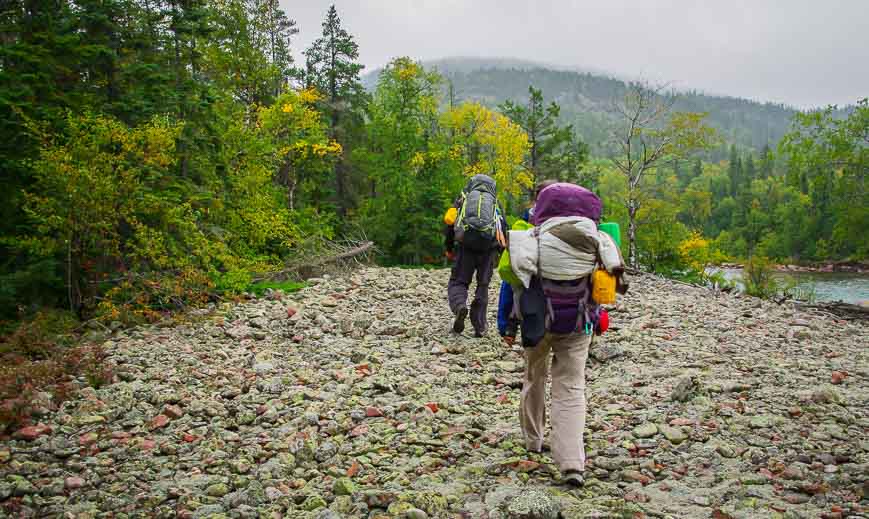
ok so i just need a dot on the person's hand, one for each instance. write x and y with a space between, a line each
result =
450 255
509 339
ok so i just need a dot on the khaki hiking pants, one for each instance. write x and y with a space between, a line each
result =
568 397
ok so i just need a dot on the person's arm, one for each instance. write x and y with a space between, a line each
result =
449 238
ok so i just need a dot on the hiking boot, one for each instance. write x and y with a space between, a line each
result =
573 478
479 333
459 323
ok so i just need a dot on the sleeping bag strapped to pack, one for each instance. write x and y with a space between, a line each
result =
476 227
558 298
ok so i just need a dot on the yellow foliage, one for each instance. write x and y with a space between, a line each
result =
418 160
492 144
695 252
310 95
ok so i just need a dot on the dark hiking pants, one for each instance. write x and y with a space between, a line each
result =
467 262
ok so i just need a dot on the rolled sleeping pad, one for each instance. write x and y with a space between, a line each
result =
613 230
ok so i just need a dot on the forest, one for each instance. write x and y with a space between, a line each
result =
158 154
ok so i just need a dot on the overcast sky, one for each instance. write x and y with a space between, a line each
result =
800 52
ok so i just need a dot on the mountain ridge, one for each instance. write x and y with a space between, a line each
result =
585 94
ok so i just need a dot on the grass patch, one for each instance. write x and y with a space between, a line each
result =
286 286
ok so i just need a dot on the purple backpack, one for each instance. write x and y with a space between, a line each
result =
560 307
563 199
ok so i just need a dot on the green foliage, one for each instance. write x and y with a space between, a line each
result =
827 160
758 278
417 159
555 152
288 287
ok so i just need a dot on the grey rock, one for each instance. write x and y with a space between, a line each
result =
682 389
646 430
674 434
606 351
532 504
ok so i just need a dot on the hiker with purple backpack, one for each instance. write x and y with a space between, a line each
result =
555 262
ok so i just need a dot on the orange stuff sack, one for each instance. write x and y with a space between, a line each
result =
603 287
451 215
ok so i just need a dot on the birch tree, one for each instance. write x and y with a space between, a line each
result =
649 133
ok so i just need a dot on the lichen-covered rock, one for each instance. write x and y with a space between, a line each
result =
363 404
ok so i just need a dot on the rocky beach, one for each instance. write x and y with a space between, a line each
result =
351 398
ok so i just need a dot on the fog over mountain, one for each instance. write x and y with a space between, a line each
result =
802 53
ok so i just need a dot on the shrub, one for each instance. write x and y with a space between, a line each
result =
41 358
758 277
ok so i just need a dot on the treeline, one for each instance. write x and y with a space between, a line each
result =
804 201
156 153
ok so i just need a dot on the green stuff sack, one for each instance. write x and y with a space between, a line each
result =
505 270
613 230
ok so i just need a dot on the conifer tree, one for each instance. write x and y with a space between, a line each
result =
332 67
555 151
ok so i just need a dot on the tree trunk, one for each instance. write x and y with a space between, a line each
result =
632 233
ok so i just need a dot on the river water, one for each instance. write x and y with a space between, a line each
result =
826 286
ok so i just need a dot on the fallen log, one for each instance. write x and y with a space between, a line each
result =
305 268
839 309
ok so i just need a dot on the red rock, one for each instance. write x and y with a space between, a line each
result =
189 438
32 432
173 411
636 497
159 421
354 469
525 466
88 439
433 406
795 411
120 435
298 338
766 473
681 421
839 376
291 311
73 483
148 445
359 430
373 412
639 477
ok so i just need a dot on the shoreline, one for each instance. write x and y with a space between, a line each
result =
847 267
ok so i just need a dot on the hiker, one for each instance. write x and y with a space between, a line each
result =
507 324
477 235
555 262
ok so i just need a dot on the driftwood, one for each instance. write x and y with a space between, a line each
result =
352 253
838 309
306 268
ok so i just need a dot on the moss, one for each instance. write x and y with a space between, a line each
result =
285 286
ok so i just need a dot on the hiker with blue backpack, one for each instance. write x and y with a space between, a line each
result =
507 323
564 269
474 239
